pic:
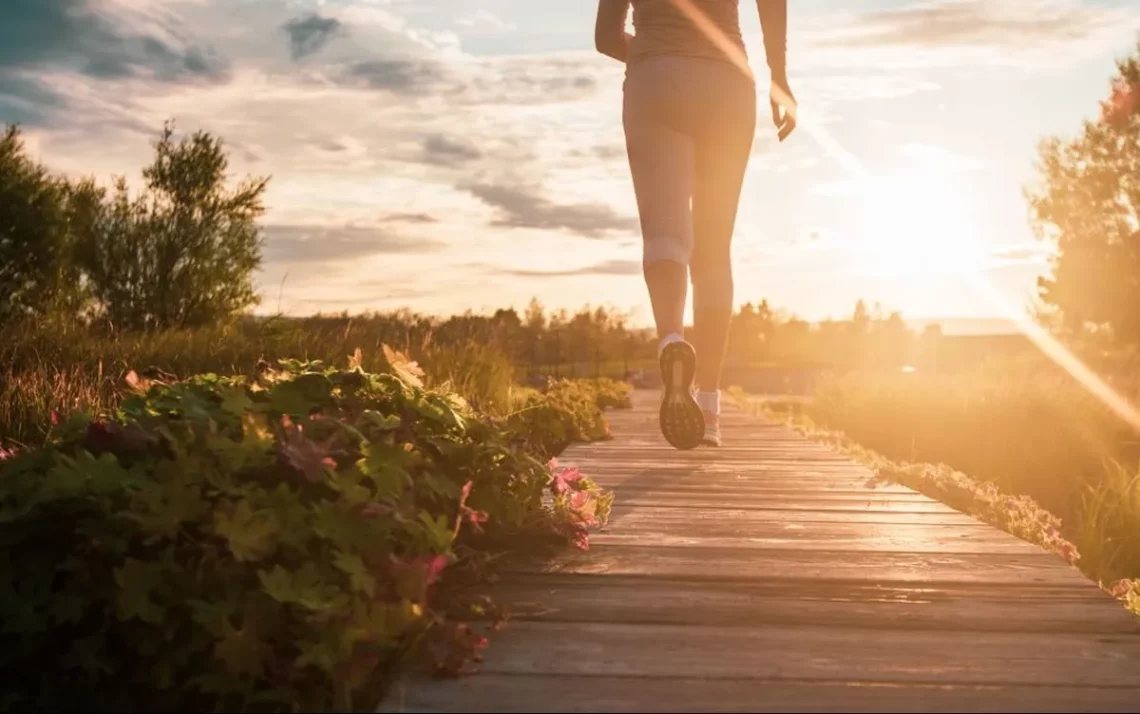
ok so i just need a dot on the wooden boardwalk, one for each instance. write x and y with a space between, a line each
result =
768 575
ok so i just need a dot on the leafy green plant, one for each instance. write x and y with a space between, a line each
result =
269 543
566 411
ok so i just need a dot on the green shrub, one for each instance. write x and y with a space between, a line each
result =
565 412
267 543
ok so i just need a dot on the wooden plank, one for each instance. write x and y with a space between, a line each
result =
625 515
1013 570
949 607
562 693
843 538
781 500
826 653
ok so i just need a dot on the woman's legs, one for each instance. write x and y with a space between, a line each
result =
689 127
662 161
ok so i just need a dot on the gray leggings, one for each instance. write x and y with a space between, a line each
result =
689 127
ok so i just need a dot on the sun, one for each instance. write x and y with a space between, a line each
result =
917 224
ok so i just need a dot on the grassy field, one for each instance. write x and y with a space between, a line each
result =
1021 425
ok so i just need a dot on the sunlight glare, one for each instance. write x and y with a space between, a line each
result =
917 224
973 274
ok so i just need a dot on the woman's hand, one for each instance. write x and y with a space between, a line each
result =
783 105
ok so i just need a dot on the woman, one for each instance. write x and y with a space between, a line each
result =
690 117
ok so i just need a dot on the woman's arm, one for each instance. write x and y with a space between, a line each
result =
774 23
610 37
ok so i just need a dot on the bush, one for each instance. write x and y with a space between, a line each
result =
266 543
565 412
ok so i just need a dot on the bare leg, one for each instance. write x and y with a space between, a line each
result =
720 175
722 158
668 283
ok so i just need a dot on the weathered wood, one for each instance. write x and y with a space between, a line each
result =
958 607
505 693
1015 570
826 652
626 516
775 574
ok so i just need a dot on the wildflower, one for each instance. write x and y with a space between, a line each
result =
1121 589
468 514
565 479
414 576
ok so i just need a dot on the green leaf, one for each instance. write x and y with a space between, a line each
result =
235 401
278 584
137 583
380 422
69 607
353 566
437 531
251 536
243 653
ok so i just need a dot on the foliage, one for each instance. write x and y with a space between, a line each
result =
181 253
39 217
60 370
566 411
1089 203
268 542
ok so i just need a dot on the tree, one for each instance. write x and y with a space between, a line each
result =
183 252
1089 204
39 216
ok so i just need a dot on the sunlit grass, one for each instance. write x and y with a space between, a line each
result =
1014 428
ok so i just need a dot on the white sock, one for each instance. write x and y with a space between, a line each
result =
709 401
668 340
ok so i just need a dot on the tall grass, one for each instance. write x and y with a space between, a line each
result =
1024 426
61 370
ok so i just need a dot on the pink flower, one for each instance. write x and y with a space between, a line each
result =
468 514
584 506
1122 588
414 576
1068 551
582 539
6 454
565 479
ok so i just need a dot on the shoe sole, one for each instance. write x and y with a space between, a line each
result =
682 421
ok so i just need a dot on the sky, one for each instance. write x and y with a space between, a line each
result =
445 155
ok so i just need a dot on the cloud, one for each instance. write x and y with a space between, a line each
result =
521 207
954 31
399 76
1021 254
441 151
318 245
410 218
308 34
102 40
609 267
484 21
